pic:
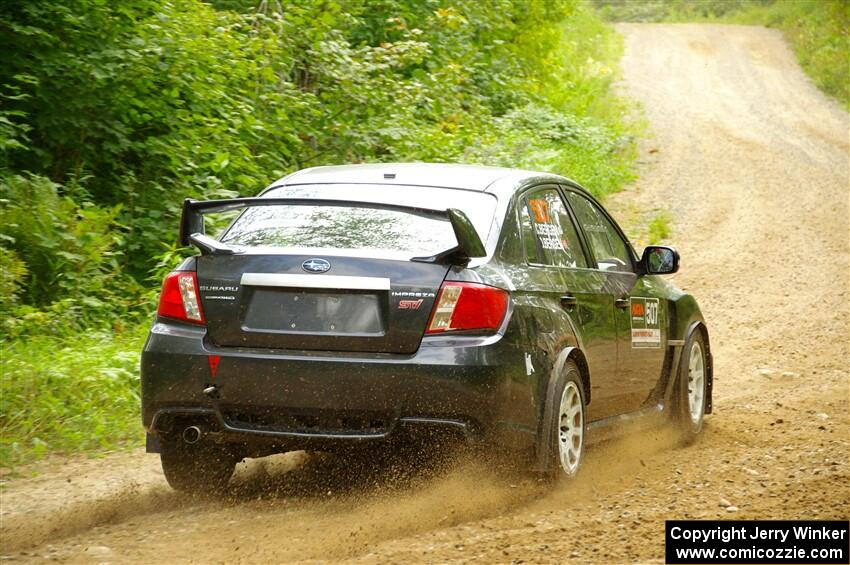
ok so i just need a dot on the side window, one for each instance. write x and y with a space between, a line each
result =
529 240
548 234
609 249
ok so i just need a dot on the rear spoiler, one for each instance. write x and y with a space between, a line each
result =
192 224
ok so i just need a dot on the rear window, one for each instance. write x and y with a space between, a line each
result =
362 230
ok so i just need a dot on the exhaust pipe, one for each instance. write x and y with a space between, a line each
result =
192 434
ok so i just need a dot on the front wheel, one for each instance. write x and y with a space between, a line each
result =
566 425
692 388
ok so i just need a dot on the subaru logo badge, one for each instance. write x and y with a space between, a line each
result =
315 265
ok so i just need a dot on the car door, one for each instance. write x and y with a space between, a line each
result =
640 315
581 307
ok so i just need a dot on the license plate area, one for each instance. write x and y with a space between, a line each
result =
316 312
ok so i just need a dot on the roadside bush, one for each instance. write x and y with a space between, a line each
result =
672 10
539 138
69 396
61 268
12 273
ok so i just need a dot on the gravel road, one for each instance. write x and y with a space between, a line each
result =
752 164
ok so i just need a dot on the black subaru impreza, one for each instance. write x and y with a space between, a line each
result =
348 306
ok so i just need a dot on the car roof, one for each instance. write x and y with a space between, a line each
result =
443 175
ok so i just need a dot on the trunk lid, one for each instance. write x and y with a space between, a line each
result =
271 300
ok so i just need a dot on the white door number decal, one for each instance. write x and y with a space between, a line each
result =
652 313
646 329
529 368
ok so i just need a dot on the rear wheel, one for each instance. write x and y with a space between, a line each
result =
196 468
692 388
565 430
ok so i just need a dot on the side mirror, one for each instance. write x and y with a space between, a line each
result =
659 260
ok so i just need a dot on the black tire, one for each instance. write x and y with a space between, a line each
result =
197 468
559 430
688 416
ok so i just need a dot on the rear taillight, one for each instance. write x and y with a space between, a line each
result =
179 298
468 306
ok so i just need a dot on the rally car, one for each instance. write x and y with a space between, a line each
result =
349 306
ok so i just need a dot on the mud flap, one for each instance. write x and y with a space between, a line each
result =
152 443
542 450
676 367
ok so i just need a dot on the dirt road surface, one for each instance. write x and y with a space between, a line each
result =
752 163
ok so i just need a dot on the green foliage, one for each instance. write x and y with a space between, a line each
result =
13 132
62 271
576 126
672 10
659 228
145 103
818 30
66 244
69 395
12 273
538 138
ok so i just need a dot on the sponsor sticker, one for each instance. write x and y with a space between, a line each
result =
529 368
540 208
548 234
646 326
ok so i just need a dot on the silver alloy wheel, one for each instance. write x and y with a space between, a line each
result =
570 428
696 383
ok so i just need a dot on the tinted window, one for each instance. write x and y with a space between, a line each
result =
361 229
548 234
529 240
609 249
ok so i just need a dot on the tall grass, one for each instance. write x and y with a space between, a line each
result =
69 394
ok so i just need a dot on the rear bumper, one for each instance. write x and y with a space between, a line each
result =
258 442
301 399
